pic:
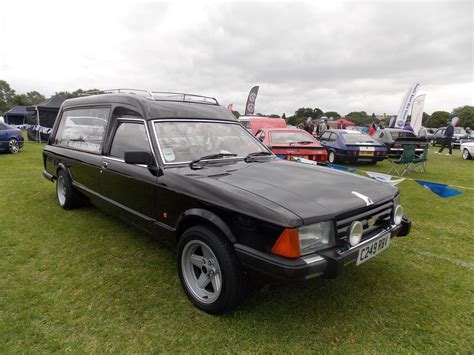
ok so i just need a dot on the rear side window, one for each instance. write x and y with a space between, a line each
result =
325 136
129 137
83 129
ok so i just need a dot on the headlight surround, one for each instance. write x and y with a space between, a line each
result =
315 237
398 214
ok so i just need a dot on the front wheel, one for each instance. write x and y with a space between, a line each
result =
209 271
465 154
13 146
332 157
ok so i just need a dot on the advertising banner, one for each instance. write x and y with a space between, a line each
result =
250 106
417 113
406 106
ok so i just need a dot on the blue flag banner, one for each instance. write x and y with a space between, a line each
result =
343 168
439 189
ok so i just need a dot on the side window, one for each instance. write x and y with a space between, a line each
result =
325 136
333 137
129 136
260 136
83 129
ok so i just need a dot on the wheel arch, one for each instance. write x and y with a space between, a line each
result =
196 216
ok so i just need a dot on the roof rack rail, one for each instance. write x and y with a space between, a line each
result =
145 93
181 96
158 95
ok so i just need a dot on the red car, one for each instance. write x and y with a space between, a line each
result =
292 142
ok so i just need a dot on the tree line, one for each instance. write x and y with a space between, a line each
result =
9 98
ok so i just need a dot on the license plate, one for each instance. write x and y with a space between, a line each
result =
366 152
373 249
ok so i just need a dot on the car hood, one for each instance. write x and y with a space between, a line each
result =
312 193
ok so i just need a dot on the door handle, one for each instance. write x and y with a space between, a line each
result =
105 164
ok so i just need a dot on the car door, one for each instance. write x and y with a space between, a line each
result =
129 188
3 137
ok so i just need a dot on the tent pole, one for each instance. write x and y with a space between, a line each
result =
37 124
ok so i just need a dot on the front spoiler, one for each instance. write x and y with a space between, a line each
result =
329 263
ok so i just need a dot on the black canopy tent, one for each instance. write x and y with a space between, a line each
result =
42 118
17 116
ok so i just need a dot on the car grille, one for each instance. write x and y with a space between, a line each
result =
380 215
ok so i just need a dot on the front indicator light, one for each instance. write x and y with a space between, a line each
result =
398 215
288 244
355 233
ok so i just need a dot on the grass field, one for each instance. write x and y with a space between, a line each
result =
81 281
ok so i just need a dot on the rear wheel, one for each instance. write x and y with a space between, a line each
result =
465 154
209 271
332 157
68 197
13 146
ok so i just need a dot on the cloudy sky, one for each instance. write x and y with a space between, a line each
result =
342 56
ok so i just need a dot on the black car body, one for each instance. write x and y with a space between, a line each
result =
459 136
244 215
394 139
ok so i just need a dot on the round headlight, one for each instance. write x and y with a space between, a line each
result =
398 215
355 233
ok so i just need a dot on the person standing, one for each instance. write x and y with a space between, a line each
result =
323 127
448 136
309 127
372 129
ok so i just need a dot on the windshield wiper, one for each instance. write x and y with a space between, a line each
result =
250 156
305 142
212 156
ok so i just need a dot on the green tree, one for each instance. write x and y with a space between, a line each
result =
438 119
332 114
28 99
466 115
6 97
360 118
425 119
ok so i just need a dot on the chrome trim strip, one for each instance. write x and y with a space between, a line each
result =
312 259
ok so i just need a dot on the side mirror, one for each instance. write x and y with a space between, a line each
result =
144 158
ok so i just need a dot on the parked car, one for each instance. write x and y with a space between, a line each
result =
394 140
256 123
458 136
11 138
352 146
191 172
287 143
467 150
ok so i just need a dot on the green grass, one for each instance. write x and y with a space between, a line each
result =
82 281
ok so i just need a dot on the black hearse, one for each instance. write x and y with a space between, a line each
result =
181 166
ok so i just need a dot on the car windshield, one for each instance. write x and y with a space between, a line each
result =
291 137
358 138
402 134
459 130
182 142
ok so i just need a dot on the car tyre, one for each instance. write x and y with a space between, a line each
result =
332 157
466 155
209 270
67 196
13 146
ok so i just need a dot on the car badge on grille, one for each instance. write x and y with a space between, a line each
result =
366 199
371 221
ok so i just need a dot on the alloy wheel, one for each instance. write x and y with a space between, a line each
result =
13 146
201 271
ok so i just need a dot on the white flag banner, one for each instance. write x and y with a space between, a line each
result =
406 106
417 113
